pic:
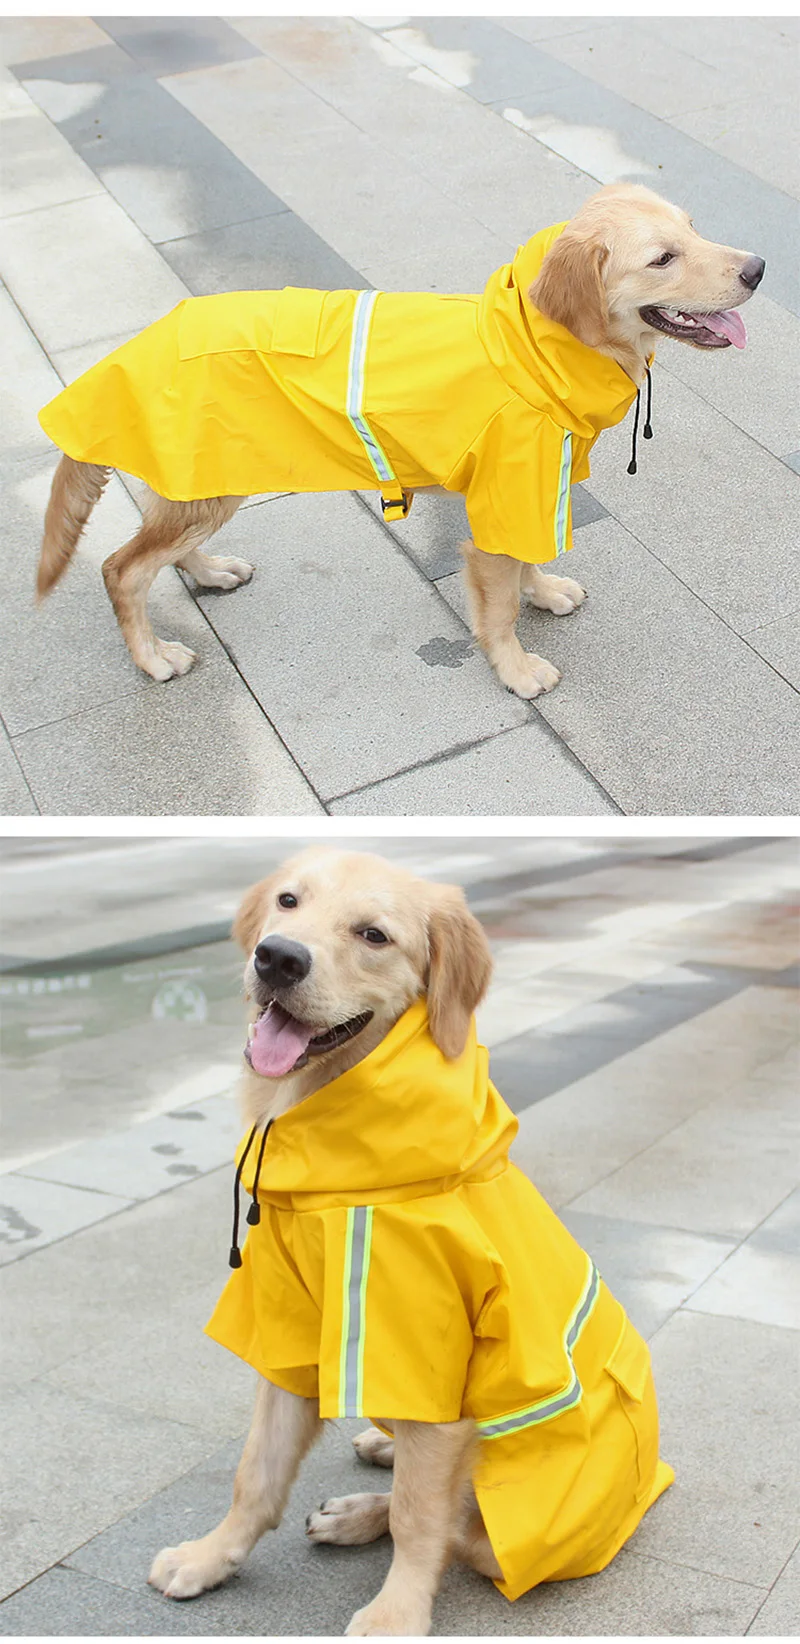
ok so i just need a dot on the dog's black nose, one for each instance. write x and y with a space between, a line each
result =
281 963
751 272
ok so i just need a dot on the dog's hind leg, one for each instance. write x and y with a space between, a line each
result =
350 1521
283 1430
170 533
433 1466
374 1447
493 585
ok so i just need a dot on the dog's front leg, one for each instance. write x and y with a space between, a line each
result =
432 1468
284 1428
493 585
561 595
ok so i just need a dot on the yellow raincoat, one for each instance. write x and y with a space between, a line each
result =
403 1268
300 390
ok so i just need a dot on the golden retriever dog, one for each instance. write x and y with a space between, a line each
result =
626 271
373 938
398 1258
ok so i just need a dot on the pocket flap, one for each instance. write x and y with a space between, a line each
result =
297 321
629 1363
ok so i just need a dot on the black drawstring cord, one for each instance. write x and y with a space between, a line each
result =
648 427
254 1213
235 1257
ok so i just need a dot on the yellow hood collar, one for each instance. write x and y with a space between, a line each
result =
403 1123
577 387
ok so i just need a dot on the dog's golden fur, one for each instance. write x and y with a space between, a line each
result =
435 947
595 280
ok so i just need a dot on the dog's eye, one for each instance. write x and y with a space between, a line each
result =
287 900
376 938
661 262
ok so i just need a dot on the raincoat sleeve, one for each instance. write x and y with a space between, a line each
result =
518 495
404 1284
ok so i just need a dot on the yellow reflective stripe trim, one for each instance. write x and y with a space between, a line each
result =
562 498
357 1251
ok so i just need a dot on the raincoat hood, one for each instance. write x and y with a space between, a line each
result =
579 388
403 1123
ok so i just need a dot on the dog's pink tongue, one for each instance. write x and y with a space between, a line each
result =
279 1040
727 323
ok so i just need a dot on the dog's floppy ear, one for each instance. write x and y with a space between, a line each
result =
570 287
251 914
460 967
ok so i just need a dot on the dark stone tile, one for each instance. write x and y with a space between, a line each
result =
538 1063
585 508
168 172
262 255
793 461
174 45
503 66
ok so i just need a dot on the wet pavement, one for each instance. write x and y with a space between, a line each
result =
642 1021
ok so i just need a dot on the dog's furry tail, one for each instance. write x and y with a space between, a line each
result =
75 490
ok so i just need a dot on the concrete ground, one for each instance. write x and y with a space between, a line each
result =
642 1022
146 159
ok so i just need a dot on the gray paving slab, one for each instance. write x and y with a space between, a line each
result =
781 1230
16 798
745 1166
753 1283
716 1428
67 655
164 167
174 45
27 383
737 129
64 1603
134 757
778 1614
453 141
756 390
151 1156
93 1460
345 645
264 254
83 1294
474 55
33 1214
94 297
522 772
793 461
23 39
651 1270
438 245
760 52
532 1065
39 166
736 553
779 644
707 729
624 1109
621 56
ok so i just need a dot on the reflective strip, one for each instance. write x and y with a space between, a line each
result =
546 1409
562 501
362 316
358 1242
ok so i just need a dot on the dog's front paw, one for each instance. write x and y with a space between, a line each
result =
386 1618
185 1571
531 676
557 594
